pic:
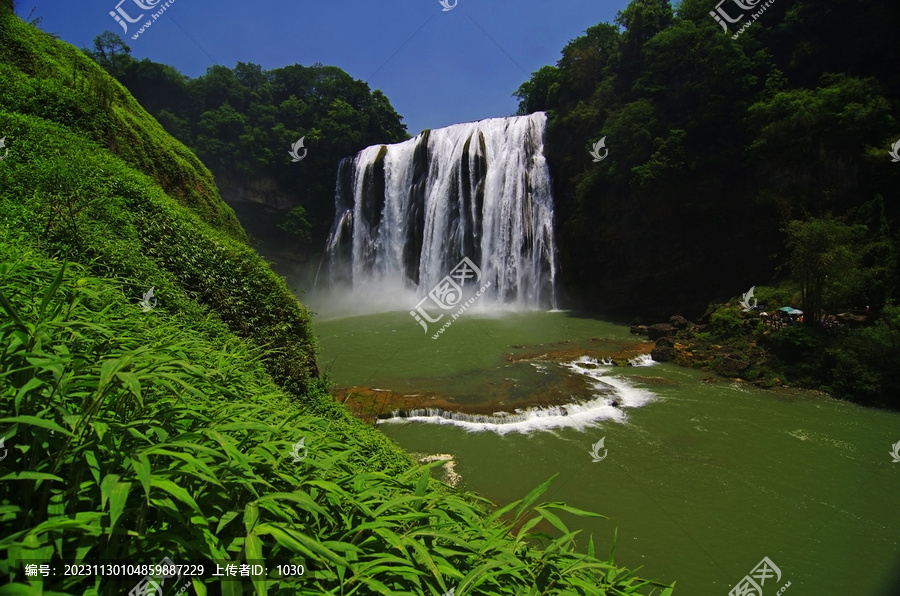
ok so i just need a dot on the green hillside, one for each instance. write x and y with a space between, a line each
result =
138 434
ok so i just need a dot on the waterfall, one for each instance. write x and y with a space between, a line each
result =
407 213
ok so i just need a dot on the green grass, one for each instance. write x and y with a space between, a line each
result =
54 81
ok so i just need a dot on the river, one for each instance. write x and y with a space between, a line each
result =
702 476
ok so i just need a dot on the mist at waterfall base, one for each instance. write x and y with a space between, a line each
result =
407 214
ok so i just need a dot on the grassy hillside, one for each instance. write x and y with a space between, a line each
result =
55 82
90 175
136 436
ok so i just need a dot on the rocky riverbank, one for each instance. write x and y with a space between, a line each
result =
694 345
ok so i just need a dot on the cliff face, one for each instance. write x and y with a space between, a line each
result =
261 204
651 261
651 253
262 190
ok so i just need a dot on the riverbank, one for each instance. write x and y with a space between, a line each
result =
848 356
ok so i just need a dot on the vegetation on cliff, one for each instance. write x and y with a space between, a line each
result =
715 145
243 121
761 160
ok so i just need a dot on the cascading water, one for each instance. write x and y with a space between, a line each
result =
406 214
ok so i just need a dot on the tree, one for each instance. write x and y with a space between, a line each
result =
297 224
540 93
641 19
112 53
824 257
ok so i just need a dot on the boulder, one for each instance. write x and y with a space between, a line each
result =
654 332
679 322
638 330
851 319
663 354
665 342
731 367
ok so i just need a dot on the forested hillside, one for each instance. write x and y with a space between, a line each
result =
242 122
758 157
716 144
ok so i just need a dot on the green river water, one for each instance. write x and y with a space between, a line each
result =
703 477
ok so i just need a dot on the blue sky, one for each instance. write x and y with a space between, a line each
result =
462 65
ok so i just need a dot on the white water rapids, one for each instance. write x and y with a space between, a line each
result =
612 395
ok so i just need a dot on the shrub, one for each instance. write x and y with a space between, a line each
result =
726 323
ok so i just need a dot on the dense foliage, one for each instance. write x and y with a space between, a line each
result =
164 430
733 163
716 144
243 121
856 358
849 353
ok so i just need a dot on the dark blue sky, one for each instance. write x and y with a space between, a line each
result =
462 65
